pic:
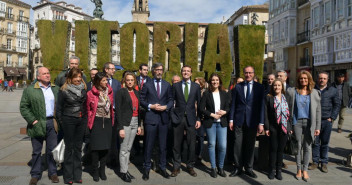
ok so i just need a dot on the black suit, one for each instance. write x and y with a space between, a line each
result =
156 122
246 115
124 114
184 117
89 86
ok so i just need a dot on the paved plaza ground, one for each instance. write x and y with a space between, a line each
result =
15 153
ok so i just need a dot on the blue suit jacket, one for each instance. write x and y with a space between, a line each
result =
116 86
251 112
149 96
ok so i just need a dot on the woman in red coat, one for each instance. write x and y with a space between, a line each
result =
100 121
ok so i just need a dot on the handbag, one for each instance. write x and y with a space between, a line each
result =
291 147
58 152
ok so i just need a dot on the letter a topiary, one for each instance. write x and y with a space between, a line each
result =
54 37
103 29
249 48
126 44
161 46
218 51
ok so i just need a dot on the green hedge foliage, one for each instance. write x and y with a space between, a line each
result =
54 43
161 46
82 46
126 45
249 48
104 29
217 51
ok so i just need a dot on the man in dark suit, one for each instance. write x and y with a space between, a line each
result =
92 73
184 118
282 75
143 75
109 70
156 97
246 116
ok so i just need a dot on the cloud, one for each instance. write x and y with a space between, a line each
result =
208 11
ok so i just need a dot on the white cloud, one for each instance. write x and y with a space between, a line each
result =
208 11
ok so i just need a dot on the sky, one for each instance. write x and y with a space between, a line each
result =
201 11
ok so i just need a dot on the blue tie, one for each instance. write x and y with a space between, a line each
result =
248 91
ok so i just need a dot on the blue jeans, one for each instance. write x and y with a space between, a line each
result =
216 132
321 144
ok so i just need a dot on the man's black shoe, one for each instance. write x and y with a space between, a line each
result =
145 175
250 173
131 176
236 172
164 174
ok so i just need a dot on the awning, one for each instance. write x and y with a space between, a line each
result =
11 71
22 71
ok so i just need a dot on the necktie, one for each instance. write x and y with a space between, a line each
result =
158 88
142 82
109 80
248 92
186 91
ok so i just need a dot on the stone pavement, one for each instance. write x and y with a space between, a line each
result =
15 152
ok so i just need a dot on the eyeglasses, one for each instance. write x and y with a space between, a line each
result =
112 68
248 72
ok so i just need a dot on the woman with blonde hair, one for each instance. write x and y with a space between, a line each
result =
72 115
306 119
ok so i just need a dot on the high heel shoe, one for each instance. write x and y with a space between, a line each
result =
305 177
299 175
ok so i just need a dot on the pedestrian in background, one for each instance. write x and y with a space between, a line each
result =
344 93
11 84
72 116
6 84
100 122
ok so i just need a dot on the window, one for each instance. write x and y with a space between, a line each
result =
306 25
327 12
339 9
349 8
2 9
9 60
20 17
20 61
21 45
9 27
9 12
315 17
9 44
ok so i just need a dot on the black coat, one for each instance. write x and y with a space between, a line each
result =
270 114
124 108
330 103
207 106
346 93
69 104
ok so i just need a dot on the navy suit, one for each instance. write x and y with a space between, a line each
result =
156 122
89 86
113 157
184 117
246 115
139 80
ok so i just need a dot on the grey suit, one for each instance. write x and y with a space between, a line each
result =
305 127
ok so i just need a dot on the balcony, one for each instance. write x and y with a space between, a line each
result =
21 50
10 16
22 19
304 62
7 32
302 2
303 37
22 34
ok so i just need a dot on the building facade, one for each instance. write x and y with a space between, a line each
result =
48 10
14 39
282 32
248 15
331 35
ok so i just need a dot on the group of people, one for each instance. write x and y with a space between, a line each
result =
7 85
111 114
